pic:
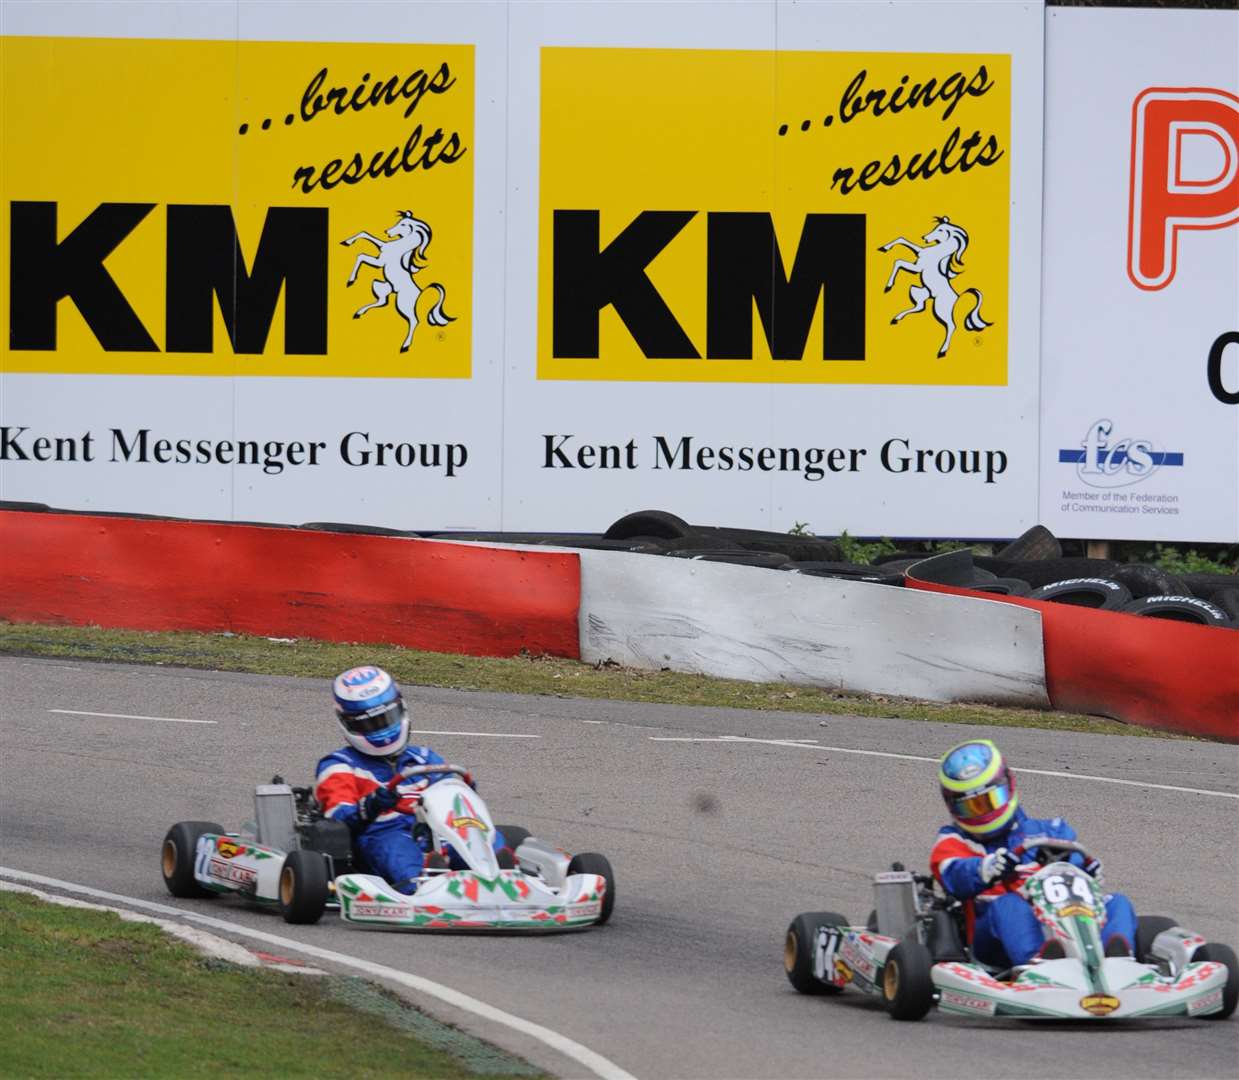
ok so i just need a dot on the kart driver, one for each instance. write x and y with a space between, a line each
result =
352 784
980 859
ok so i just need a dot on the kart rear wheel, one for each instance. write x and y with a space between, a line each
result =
907 989
1222 954
176 857
1147 928
304 887
590 862
798 951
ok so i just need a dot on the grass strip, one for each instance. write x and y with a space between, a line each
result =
537 675
88 995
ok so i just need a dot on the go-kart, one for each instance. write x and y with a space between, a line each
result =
294 858
911 954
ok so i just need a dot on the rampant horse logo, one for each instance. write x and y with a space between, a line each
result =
399 259
936 265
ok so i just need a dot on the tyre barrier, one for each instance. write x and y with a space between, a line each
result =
1228 601
1206 585
1039 572
1003 586
658 523
877 575
761 559
1037 543
1138 670
1090 592
1190 609
1143 580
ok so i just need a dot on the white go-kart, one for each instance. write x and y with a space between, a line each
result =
294 858
910 954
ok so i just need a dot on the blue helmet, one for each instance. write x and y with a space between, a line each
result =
978 788
371 711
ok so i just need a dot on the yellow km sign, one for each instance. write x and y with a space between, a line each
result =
251 208
747 216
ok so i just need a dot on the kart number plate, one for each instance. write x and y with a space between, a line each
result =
1063 888
824 963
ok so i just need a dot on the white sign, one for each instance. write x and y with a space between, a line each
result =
1140 384
525 266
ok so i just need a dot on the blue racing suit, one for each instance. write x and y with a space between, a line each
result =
386 844
1001 925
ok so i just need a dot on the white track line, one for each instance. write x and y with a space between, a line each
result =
583 1055
126 716
480 734
807 744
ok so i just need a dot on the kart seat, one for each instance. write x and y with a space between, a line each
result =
944 939
332 838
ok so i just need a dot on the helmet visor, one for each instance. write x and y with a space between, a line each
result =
979 803
380 718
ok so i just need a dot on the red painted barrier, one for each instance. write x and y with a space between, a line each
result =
182 575
1153 672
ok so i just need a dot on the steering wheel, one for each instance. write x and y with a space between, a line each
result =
431 770
410 771
1044 847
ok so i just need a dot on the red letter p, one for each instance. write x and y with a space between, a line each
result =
1163 200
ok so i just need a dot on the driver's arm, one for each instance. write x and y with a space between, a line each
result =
956 863
337 791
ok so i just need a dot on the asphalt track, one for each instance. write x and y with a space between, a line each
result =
716 844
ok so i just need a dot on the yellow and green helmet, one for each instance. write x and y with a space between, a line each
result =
977 786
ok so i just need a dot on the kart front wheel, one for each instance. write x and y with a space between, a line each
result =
798 951
590 862
513 835
907 989
176 857
1222 954
304 887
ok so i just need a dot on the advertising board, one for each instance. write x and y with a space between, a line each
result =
525 266
1140 364
241 269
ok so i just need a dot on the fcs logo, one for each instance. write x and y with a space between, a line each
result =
398 260
1106 463
936 264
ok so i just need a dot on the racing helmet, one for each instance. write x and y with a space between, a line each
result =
371 711
978 788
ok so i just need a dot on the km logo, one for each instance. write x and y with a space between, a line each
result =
204 263
744 266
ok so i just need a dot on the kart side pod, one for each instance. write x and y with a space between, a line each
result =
550 863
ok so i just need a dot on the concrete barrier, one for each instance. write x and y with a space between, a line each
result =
769 625
1153 672
153 574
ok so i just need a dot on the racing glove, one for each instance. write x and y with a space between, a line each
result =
1093 868
998 865
379 801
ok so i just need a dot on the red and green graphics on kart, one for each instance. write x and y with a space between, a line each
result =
463 817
